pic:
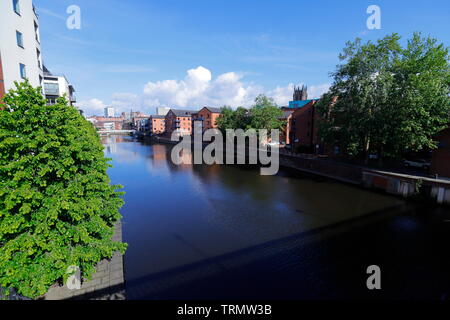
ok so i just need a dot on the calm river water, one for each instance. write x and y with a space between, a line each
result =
208 232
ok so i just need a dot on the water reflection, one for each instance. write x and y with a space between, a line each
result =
179 215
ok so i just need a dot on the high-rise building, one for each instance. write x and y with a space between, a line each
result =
20 48
109 112
162 111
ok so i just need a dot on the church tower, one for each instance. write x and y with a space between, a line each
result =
300 94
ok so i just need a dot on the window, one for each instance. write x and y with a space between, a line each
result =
16 6
38 53
36 31
51 89
19 38
23 72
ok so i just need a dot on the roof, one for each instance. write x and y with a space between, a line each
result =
157 117
287 113
214 110
46 71
299 104
182 113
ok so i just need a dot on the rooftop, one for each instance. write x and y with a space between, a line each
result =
299 103
182 113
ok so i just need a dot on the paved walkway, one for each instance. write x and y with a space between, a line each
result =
106 284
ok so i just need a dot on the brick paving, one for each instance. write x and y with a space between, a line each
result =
108 283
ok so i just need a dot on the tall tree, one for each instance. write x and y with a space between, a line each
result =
386 98
265 114
57 207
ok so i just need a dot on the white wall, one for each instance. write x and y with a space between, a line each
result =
12 55
62 83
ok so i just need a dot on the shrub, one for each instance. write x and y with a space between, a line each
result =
57 207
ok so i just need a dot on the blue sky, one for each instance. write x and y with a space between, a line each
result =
137 53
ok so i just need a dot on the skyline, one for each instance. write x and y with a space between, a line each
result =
145 54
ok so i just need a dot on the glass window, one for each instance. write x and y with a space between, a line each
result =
23 72
51 88
16 6
19 38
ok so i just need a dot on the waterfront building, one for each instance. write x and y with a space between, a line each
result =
140 122
180 121
56 86
20 48
304 131
107 123
208 117
157 124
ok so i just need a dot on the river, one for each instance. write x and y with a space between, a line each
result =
211 232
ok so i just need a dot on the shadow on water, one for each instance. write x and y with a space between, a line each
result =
325 263
211 232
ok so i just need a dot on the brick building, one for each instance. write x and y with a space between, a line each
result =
157 124
103 123
208 116
180 120
305 124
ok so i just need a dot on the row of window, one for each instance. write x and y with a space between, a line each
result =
19 38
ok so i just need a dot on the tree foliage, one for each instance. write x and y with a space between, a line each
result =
264 114
388 99
57 207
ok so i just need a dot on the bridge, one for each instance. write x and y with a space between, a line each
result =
118 132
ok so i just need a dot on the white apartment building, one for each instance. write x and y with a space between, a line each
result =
20 48
56 86
109 112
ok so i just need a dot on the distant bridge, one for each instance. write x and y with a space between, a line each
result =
118 132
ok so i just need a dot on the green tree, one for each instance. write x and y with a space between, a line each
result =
387 99
265 114
57 207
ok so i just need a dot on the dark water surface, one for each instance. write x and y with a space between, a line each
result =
208 232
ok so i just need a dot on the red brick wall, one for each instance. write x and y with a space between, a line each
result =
158 125
305 125
209 118
185 123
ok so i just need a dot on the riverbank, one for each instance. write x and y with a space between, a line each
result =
207 232
398 184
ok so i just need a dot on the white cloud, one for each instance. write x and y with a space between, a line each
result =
199 88
92 106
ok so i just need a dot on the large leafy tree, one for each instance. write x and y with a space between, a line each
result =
57 207
264 114
387 99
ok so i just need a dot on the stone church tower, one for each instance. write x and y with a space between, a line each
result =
301 94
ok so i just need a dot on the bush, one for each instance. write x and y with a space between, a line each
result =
57 207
